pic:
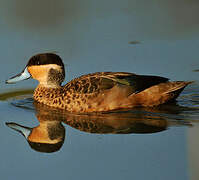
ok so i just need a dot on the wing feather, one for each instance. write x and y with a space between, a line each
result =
98 82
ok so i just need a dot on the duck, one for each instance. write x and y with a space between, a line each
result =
95 92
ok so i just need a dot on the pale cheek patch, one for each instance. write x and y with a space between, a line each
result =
38 72
43 73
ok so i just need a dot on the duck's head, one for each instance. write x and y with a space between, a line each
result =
47 68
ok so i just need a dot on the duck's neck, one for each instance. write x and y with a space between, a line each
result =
49 84
50 96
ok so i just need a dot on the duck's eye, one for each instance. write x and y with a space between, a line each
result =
37 62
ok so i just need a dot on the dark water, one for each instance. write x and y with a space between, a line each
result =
144 37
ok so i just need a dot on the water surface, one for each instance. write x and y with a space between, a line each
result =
144 37
115 143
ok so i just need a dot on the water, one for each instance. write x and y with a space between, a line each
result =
144 37
115 143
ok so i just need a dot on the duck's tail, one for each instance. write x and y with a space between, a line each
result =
159 94
175 87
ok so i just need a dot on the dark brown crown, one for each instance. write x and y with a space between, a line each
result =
45 58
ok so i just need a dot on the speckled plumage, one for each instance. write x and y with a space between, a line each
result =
104 91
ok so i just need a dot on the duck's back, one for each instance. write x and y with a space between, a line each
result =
100 81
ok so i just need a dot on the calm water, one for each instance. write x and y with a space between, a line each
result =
108 145
145 37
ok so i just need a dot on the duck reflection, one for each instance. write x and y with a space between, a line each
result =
49 135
